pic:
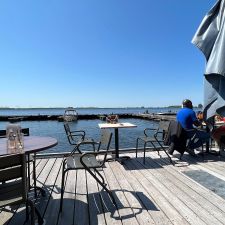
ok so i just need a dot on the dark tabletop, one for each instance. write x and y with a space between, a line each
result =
31 144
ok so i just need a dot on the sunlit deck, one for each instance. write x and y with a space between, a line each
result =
154 193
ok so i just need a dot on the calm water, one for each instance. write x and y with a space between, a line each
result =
127 136
81 111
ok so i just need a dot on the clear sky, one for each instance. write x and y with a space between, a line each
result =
103 53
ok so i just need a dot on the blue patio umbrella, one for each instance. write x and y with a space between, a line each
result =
210 39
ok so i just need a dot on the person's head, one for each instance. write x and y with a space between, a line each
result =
187 103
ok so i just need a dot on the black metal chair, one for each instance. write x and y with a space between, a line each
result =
88 161
76 137
13 189
155 137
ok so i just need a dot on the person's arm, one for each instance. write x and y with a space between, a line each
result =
196 122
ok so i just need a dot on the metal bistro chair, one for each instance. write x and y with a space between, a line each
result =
13 189
155 138
76 137
88 161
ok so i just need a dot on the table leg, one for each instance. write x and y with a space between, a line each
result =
117 157
35 187
117 142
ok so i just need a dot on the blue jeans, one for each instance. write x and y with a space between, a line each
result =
196 138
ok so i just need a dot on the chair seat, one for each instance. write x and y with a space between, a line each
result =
89 160
150 139
85 140
147 139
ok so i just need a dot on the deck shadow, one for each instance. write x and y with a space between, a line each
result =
208 180
142 165
101 203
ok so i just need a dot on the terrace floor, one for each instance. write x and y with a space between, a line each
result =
154 193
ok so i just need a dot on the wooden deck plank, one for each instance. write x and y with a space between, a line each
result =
132 196
81 204
145 196
50 208
195 205
167 213
198 193
19 216
208 166
204 192
111 213
67 214
96 212
183 209
126 214
154 193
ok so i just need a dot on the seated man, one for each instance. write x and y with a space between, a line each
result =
187 118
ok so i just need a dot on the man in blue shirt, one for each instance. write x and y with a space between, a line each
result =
187 118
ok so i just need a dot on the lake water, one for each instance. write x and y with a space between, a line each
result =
127 136
82 111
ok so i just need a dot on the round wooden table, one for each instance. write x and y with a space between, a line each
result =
32 144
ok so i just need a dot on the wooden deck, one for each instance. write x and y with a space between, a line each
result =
154 193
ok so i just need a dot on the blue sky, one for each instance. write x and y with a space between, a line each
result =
103 53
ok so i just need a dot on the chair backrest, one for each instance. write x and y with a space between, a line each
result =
12 167
67 128
25 131
164 125
105 139
162 130
68 133
74 136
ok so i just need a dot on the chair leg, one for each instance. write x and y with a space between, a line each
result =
155 148
161 146
103 180
75 149
144 152
167 155
137 146
103 186
62 186
32 207
34 175
28 170
40 220
27 211
33 211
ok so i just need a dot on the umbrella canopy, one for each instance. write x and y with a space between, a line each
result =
210 39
